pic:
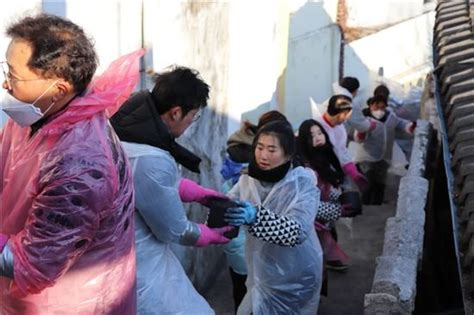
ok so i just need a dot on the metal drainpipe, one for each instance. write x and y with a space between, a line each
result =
341 52
341 24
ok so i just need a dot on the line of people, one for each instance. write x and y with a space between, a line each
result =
92 196
340 178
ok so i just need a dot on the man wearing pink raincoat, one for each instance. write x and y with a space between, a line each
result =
66 216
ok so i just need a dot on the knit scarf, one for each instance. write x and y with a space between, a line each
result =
270 176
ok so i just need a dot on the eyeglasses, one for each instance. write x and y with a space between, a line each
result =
197 116
8 77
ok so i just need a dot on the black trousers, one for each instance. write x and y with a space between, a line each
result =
238 287
376 173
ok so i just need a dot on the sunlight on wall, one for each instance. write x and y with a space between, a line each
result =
373 13
115 33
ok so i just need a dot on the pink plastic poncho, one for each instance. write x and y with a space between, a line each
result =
331 249
67 205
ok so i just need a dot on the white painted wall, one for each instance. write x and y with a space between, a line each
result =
249 58
114 26
309 16
313 56
258 33
373 13
403 50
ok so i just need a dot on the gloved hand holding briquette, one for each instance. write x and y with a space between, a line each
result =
210 236
246 213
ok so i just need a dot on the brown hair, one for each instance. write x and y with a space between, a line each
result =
60 48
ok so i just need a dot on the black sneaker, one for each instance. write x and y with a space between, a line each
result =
336 265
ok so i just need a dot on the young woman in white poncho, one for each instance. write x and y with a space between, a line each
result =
278 205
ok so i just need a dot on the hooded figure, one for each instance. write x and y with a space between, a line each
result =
66 187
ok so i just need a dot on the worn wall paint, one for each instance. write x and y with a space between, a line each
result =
375 13
196 34
114 25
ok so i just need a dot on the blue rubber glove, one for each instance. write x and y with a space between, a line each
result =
245 214
6 262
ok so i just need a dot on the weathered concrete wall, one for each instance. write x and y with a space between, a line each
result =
394 287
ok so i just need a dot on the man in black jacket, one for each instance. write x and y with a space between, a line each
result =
148 124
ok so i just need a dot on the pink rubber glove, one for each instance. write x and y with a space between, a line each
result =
360 180
373 125
360 136
211 236
411 128
190 191
3 241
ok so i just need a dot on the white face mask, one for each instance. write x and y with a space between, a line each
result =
378 113
24 114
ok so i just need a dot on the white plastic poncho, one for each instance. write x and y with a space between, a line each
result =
378 145
283 280
160 219
337 135
357 120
